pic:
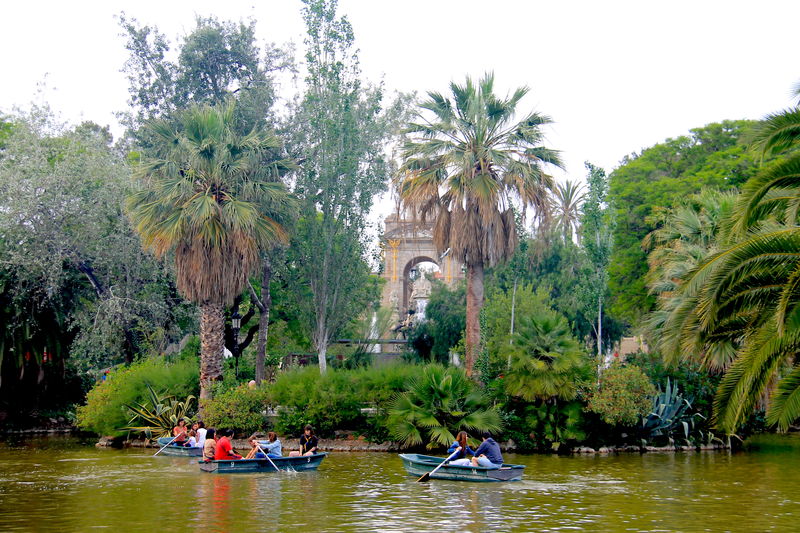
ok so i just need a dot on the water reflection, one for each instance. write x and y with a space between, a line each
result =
70 488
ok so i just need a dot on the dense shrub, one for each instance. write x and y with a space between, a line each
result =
622 396
241 408
105 411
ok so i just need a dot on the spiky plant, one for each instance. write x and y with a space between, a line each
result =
159 414
467 161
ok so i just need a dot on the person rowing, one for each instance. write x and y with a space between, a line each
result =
463 449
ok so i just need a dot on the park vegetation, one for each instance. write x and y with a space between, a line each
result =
230 220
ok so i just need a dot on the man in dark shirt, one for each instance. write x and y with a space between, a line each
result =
488 453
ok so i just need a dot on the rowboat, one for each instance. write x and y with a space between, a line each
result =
300 463
179 451
417 465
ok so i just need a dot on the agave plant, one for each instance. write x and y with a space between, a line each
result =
669 414
437 405
160 416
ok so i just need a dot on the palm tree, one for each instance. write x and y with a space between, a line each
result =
547 361
208 197
437 405
748 293
465 168
687 235
567 200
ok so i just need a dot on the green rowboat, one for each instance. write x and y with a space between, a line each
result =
179 451
417 465
297 464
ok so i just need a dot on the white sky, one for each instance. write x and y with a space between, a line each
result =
615 76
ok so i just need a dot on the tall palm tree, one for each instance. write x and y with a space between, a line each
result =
467 162
567 200
208 196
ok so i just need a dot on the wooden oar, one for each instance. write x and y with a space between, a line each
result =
268 457
427 475
167 444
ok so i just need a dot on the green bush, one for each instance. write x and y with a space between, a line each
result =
105 412
623 395
241 409
334 401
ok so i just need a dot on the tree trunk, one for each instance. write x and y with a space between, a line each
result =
511 330
472 339
212 343
263 320
323 358
599 326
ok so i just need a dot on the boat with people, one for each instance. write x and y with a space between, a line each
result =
273 464
178 450
419 465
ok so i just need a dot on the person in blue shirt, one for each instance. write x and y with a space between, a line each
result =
463 448
272 445
488 453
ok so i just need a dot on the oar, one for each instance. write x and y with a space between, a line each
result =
427 475
268 457
167 444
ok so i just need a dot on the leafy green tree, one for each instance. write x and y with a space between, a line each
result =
597 229
437 405
77 293
467 159
660 176
209 199
445 320
216 61
337 131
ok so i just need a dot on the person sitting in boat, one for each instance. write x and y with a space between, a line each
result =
272 445
201 434
308 443
179 432
192 442
463 449
488 453
224 450
209 445
255 452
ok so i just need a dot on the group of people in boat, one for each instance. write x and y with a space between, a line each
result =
217 445
193 436
487 454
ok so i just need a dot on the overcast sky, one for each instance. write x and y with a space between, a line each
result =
615 77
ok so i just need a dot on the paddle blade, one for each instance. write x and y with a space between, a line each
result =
425 477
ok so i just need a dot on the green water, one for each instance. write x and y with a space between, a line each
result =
60 484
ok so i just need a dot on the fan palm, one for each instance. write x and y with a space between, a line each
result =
209 197
465 168
687 235
437 405
567 200
547 361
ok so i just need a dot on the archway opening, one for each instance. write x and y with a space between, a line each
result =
418 277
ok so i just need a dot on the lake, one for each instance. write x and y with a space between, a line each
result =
68 485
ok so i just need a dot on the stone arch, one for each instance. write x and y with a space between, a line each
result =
414 261
408 242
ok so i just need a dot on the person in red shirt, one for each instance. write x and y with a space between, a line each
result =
224 449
